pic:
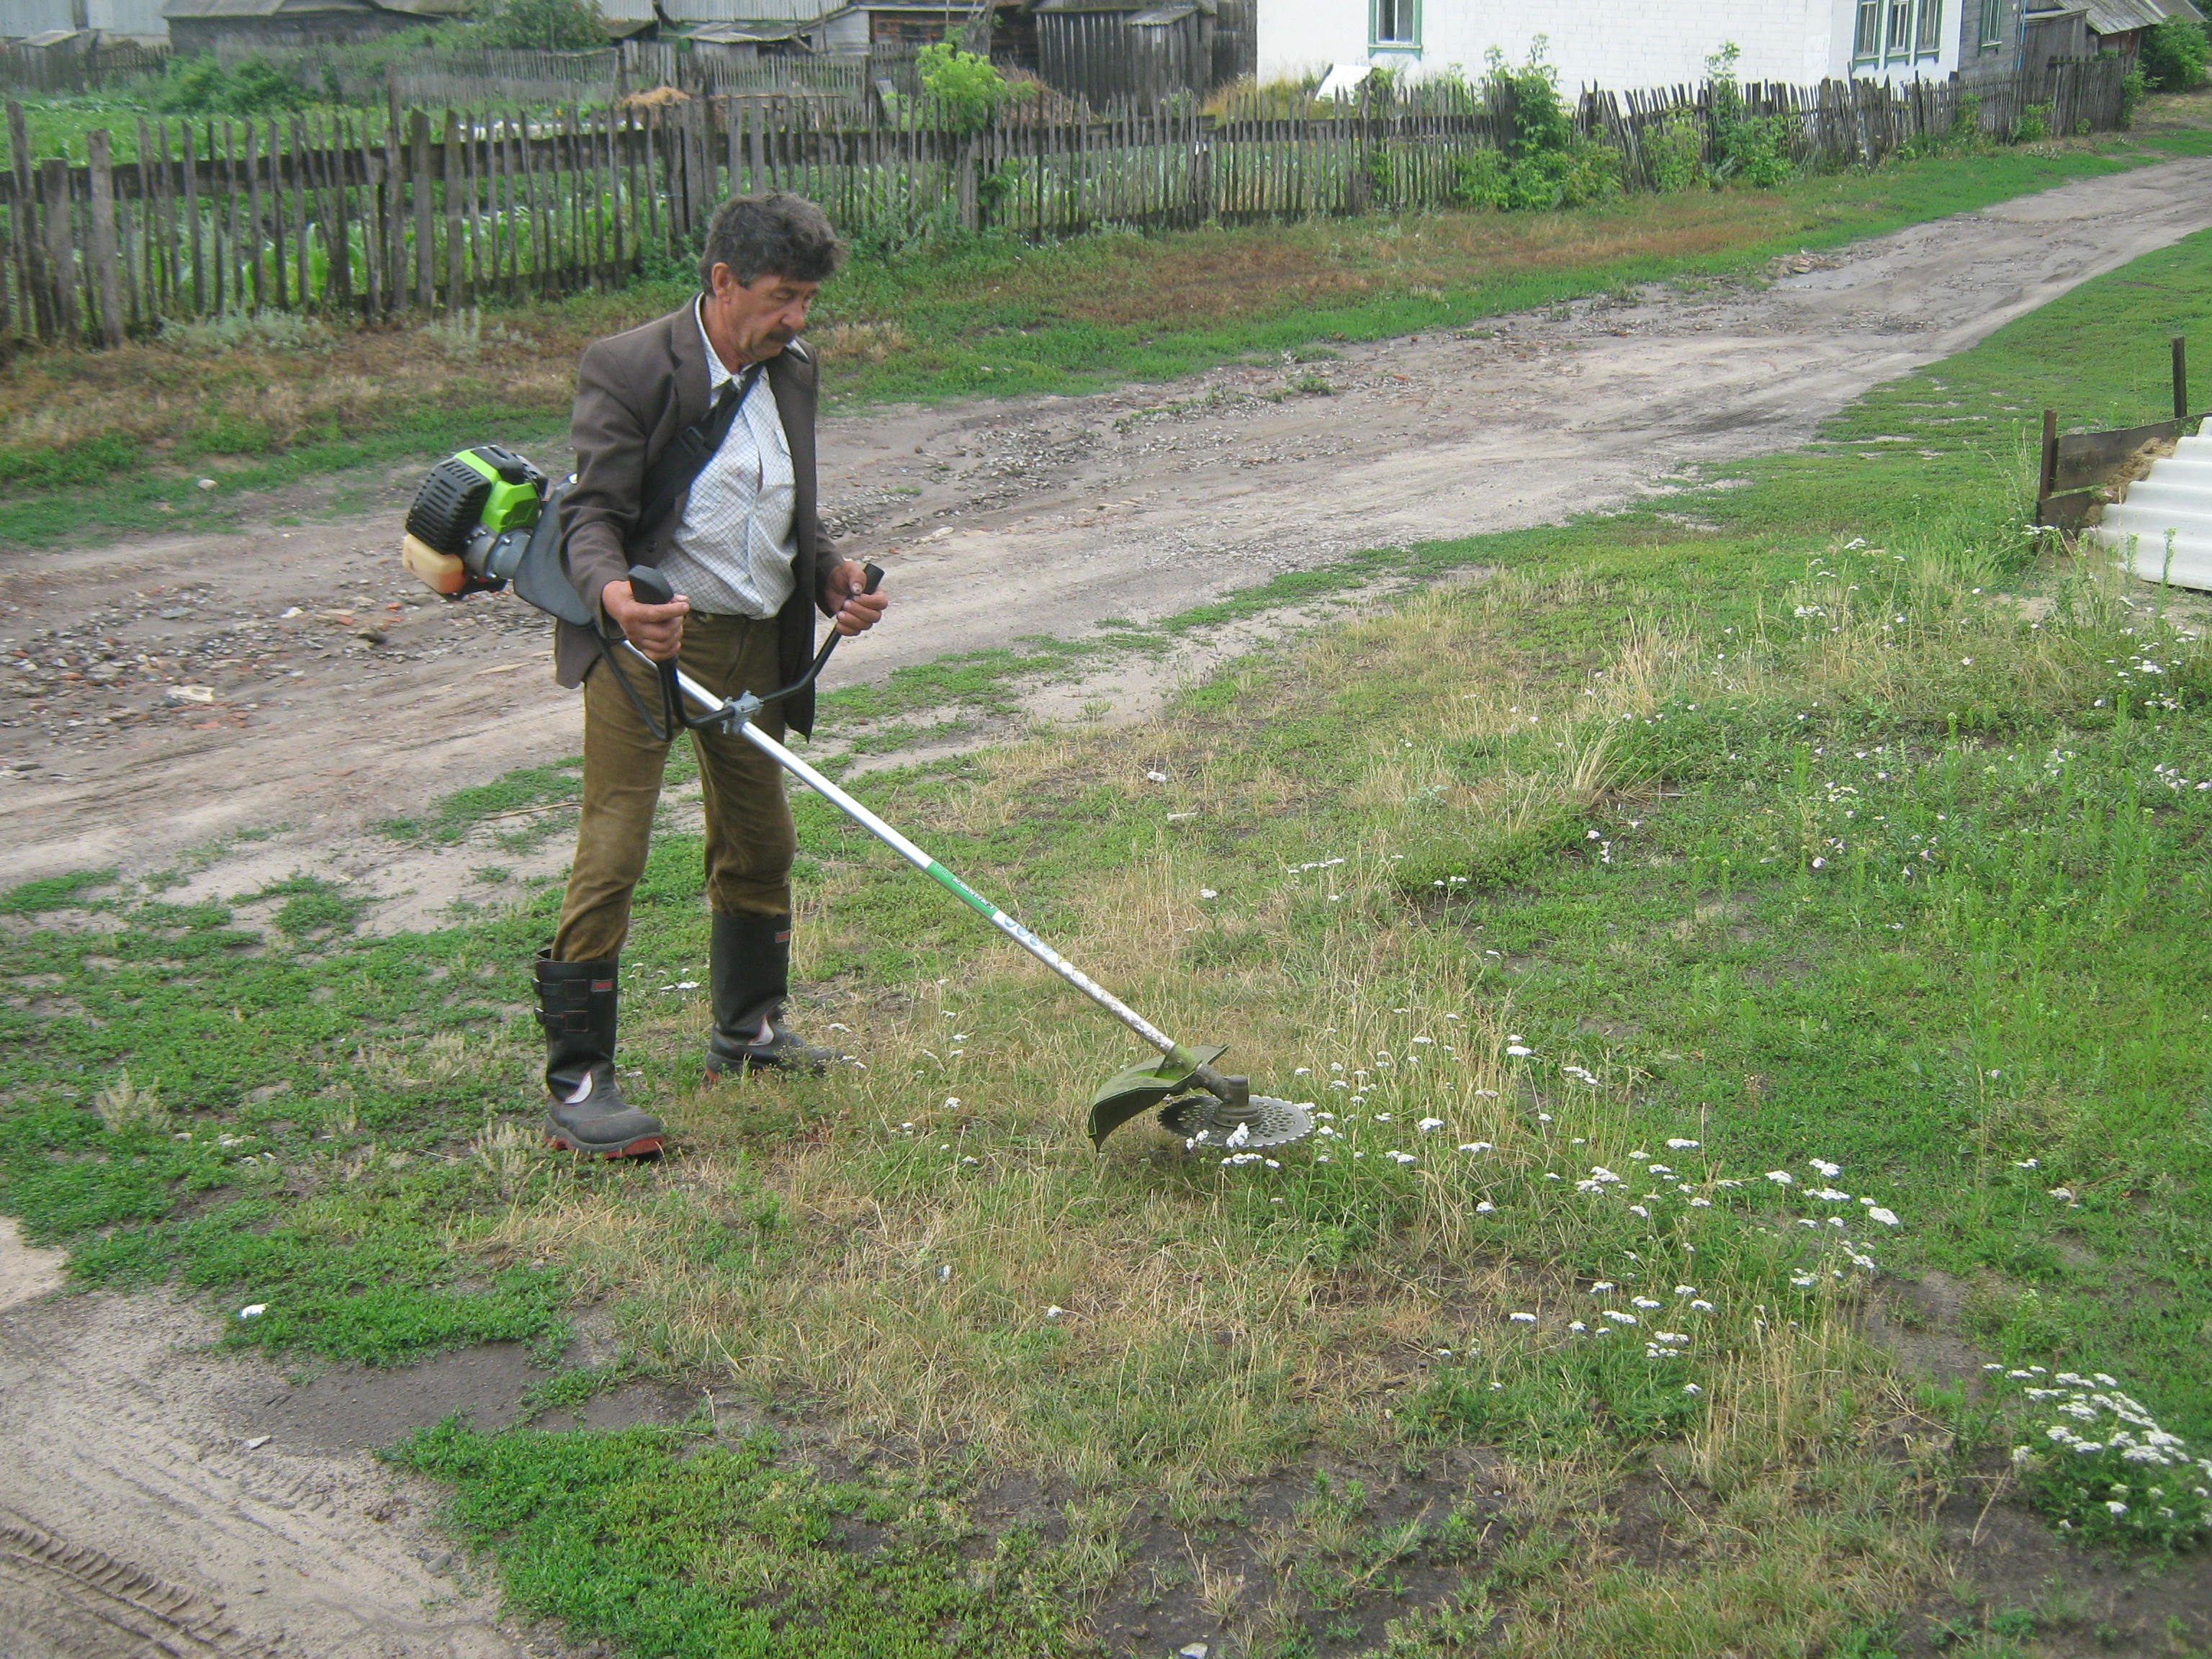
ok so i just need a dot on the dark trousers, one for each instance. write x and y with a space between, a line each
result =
750 841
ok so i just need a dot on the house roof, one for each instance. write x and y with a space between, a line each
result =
259 8
2118 16
741 35
1174 12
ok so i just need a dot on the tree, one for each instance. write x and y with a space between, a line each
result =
2174 53
540 26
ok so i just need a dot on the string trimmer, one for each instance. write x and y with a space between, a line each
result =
486 518
1197 1101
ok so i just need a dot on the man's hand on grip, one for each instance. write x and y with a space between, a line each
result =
655 630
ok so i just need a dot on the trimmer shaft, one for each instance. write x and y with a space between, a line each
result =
1213 1122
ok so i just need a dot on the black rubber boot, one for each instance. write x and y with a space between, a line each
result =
752 978
585 1110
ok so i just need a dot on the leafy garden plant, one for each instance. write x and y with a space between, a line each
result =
1546 163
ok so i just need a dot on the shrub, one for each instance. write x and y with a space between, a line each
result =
2034 125
201 85
2134 89
1674 155
1752 148
1546 163
2174 55
1479 180
965 89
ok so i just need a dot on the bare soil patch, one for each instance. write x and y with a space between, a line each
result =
1039 516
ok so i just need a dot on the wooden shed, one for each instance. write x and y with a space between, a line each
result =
2120 25
259 25
1140 52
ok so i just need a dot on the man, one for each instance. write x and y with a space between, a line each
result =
744 550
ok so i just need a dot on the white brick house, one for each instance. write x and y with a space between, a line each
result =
1620 44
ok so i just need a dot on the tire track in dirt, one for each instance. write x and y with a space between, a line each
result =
157 1499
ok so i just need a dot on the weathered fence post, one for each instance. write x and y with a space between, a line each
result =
426 240
454 247
106 263
61 247
30 258
964 184
1201 168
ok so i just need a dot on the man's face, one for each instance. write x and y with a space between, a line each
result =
759 317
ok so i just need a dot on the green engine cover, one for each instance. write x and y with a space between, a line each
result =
509 504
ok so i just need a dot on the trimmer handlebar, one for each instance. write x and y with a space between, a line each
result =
651 587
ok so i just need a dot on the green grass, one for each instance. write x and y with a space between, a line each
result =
676 1544
1800 839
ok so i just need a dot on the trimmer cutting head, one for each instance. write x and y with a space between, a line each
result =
1201 1104
1207 1122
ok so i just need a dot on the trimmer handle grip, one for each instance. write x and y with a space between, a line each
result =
875 575
648 587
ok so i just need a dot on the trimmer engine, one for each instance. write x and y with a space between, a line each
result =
471 520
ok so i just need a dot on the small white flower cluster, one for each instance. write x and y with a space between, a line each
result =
2171 778
2108 1467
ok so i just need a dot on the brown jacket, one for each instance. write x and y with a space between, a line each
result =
635 393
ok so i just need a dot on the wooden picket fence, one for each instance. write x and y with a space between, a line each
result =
388 212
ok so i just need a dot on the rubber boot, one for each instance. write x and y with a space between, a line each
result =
585 1110
751 962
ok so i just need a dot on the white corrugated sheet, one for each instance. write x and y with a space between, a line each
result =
21 19
2164 528
138 17
745 11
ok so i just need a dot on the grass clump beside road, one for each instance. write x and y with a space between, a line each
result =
114 441
1750 961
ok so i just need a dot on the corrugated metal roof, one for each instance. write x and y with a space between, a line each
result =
1174 12
259 8
745 11
739 35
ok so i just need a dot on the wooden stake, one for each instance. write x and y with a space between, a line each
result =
106 257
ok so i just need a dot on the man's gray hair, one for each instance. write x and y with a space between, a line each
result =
778 232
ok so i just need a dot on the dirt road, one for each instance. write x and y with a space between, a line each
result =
165 693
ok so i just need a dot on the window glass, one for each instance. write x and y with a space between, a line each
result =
1397 22
1866 39
1930 42
1899 43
